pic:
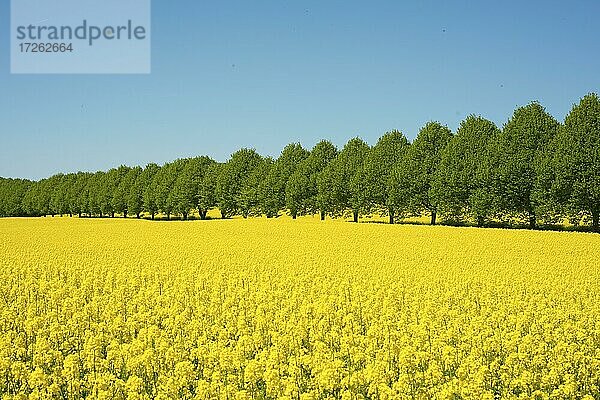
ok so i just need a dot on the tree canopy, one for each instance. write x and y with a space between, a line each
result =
533 171
576 162
459 187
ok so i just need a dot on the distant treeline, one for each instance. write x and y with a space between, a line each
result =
534 170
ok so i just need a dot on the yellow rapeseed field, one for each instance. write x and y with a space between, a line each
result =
283 309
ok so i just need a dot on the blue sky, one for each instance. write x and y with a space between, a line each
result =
263 74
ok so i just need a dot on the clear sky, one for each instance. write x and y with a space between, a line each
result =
263 74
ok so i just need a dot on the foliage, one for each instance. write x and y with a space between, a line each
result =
515 160
378 168
533 170
273 185
145 185
232 176
253 193
12 195
460 187
302 194
187 187
339 185
207 191
163 184
576 162
412 177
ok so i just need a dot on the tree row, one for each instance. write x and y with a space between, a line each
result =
533 170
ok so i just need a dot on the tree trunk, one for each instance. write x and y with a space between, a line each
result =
203 214
391 212
124 213
532 220
79 215
354 216
433 217
294 215
137 215
153 216
223 214
70 214
322 215
596 220
480 221
112 214
168 216
184 216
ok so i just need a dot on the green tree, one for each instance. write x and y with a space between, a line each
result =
183 193
12 196
198 169
29 203
124 179
77 193
186 190
61 193
207 191
163 185
147 186
549 206
95 193
301 192
514 156
340 186
252 195
58 194
460 186
232 176
133 193
109 197
414 174
377 173
273 185
576 161
42 197
70 182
